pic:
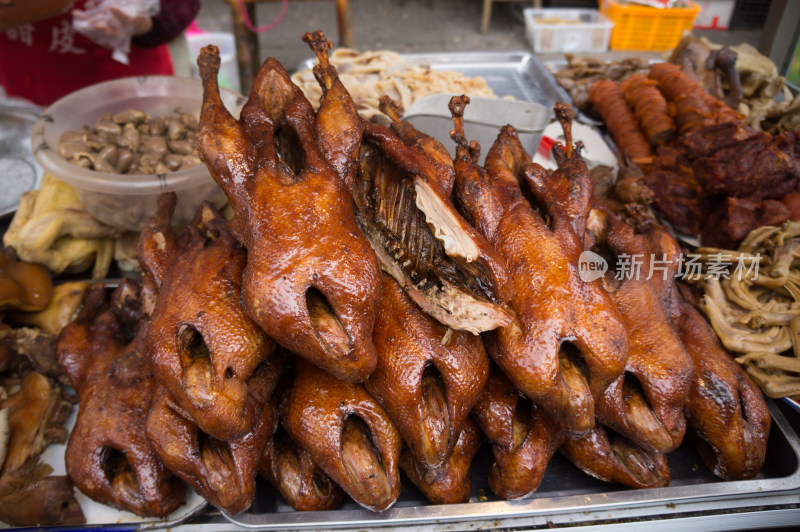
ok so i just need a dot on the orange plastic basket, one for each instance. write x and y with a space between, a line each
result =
647 28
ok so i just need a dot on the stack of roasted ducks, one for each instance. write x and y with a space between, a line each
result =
711 173
375 305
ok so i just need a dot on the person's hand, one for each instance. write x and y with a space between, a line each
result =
140 24
14 13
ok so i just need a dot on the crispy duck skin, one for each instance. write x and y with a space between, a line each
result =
222 472
311 280
346 432
523 437
568 341
295 475
724 408
453 482
645 405
108 456
428 377
612 458
203 347
402 193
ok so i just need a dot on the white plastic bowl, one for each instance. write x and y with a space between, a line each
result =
128 202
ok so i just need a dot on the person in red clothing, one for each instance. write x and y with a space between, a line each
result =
43 59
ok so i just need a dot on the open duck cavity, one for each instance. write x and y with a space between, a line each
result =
218 460
523 421
197 372
436 421
329 330
362 463
289 150
116 467
643 466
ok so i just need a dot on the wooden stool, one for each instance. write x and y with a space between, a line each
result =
487 11
247 41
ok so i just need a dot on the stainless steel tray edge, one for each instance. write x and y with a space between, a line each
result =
415 515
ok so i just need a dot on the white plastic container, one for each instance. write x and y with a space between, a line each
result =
124 201
229 69
554 30
483 119
714 14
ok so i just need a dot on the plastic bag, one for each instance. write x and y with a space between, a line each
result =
110 23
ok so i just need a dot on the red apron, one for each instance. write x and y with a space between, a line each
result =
47 60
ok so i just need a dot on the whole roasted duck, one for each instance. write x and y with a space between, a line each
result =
428 376
108 456
222 472
523 437
402 193
346 432
311 279
204 349
568 341
295 475
608 456
453 480
645 405
724 407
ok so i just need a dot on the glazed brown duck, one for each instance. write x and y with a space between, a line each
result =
338 126
724 407
428 376
568 341
311 279
645 405
453 481
108 456
347 433
295 475
222 472
204 349
523 438
611 458
402 193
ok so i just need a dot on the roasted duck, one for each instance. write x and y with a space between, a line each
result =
108 456
311 279
338 126
724 407
568 341
346 432
428 377
610 457
34 418
204 349
402 193
295 475
223 472
453 481
523 437
645 405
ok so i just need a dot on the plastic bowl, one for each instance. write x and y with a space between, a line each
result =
128 202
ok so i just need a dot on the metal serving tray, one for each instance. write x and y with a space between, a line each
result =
564 490
517 74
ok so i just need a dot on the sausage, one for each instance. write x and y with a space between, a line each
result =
649 107
608 99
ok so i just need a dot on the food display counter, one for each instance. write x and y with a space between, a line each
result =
695 498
